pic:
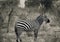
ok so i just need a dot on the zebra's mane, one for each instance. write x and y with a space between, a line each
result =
39 19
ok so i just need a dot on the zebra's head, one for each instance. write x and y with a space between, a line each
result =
43 18
46 19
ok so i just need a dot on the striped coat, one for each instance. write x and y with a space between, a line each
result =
26 25
29 25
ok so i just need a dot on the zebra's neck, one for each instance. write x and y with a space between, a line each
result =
40 21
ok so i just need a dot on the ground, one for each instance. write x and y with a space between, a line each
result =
47 33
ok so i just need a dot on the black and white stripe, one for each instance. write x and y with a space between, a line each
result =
23 25
29 25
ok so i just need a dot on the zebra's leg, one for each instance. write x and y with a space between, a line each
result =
18 36
35 35
20 39
20 32
17 39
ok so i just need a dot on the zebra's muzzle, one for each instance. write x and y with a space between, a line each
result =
48 21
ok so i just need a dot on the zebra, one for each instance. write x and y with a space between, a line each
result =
29 25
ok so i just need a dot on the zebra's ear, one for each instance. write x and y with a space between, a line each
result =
44 17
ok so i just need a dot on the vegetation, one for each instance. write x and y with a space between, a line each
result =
51 6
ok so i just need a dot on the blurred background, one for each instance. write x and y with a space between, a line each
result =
12 10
